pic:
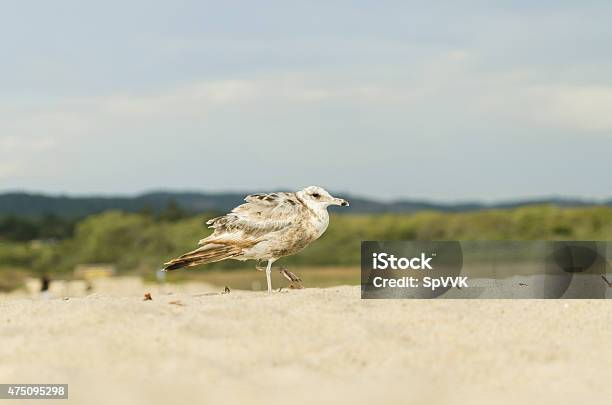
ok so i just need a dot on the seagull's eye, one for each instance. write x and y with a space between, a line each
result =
316 195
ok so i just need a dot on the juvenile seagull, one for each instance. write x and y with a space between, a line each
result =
266 227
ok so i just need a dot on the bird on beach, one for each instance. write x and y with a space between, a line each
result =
265 227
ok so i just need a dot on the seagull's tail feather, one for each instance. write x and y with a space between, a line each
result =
205 254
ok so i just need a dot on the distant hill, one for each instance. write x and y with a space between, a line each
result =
26 204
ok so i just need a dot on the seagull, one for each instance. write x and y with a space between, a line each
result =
265 227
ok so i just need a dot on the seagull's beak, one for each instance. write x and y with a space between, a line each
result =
340 201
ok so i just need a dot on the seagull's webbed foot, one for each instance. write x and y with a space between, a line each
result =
295 282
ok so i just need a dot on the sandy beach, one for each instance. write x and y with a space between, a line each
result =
190 344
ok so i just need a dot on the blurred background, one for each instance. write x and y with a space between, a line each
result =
123 127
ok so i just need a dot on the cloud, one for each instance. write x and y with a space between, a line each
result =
301 121
9 169
198 97
438 96
557 106
16 152
452 85
581 108
11 143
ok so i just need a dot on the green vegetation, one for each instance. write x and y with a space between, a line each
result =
141 242
22 229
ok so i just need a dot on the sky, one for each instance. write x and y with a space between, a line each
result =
446 101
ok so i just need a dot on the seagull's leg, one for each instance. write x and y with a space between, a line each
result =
268 273
294 280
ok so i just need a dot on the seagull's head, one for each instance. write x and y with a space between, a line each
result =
319 197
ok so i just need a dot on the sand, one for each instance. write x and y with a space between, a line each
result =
300 346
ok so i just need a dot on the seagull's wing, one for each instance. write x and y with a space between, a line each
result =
252 221
242 228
